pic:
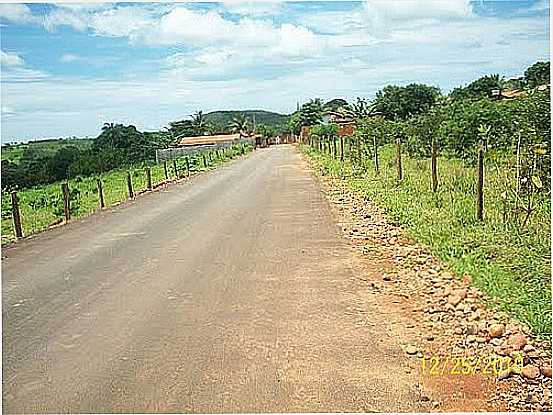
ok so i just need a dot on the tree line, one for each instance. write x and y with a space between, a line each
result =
417 111
116 146
514 135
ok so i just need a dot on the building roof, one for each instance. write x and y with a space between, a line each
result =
513 93
207 139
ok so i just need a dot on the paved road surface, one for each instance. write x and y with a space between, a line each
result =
231 292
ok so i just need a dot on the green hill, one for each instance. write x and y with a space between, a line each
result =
221 119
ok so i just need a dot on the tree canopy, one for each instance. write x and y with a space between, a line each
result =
537 74
479 88
402 102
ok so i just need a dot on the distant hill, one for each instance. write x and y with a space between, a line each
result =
221 119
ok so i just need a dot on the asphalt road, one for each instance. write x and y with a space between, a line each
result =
231 292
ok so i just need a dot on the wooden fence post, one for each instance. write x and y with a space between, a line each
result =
187 166
165 170
203 158
149 178
433 166
16 216
101 194
176 169
66 201
341 148
334 149
398 158
376 166
359 157
480 183
129 185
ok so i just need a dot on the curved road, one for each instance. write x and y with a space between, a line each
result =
231 292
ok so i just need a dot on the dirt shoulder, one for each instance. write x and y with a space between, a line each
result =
441 319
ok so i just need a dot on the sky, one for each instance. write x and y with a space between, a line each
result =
67 68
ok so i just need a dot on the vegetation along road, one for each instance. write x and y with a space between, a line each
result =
229 292
235 291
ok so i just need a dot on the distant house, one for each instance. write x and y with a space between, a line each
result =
206 140
511 94
514 93
346 125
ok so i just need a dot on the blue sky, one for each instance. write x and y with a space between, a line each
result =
68 68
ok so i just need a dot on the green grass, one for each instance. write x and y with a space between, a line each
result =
14 152
512 266
42 206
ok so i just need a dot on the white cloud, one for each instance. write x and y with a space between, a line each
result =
217 62
10 59
297 41
242 7
84 6
69 57
63 17
388 10
17 13
13 69
129 22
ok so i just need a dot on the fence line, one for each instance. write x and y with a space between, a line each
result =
325 148
44 206
170 153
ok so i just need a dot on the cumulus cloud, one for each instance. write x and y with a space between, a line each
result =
228 56
131 22
61 17
17 13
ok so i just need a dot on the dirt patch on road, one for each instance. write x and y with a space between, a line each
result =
468 358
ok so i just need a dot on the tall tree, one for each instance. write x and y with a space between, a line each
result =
311 113
402 102
537 74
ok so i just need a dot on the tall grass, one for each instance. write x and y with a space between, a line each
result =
512 265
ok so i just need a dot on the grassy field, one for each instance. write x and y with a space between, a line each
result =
42 206
14 152
512 266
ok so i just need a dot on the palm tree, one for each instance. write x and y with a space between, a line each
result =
360 110
240 124
199 123
109 129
